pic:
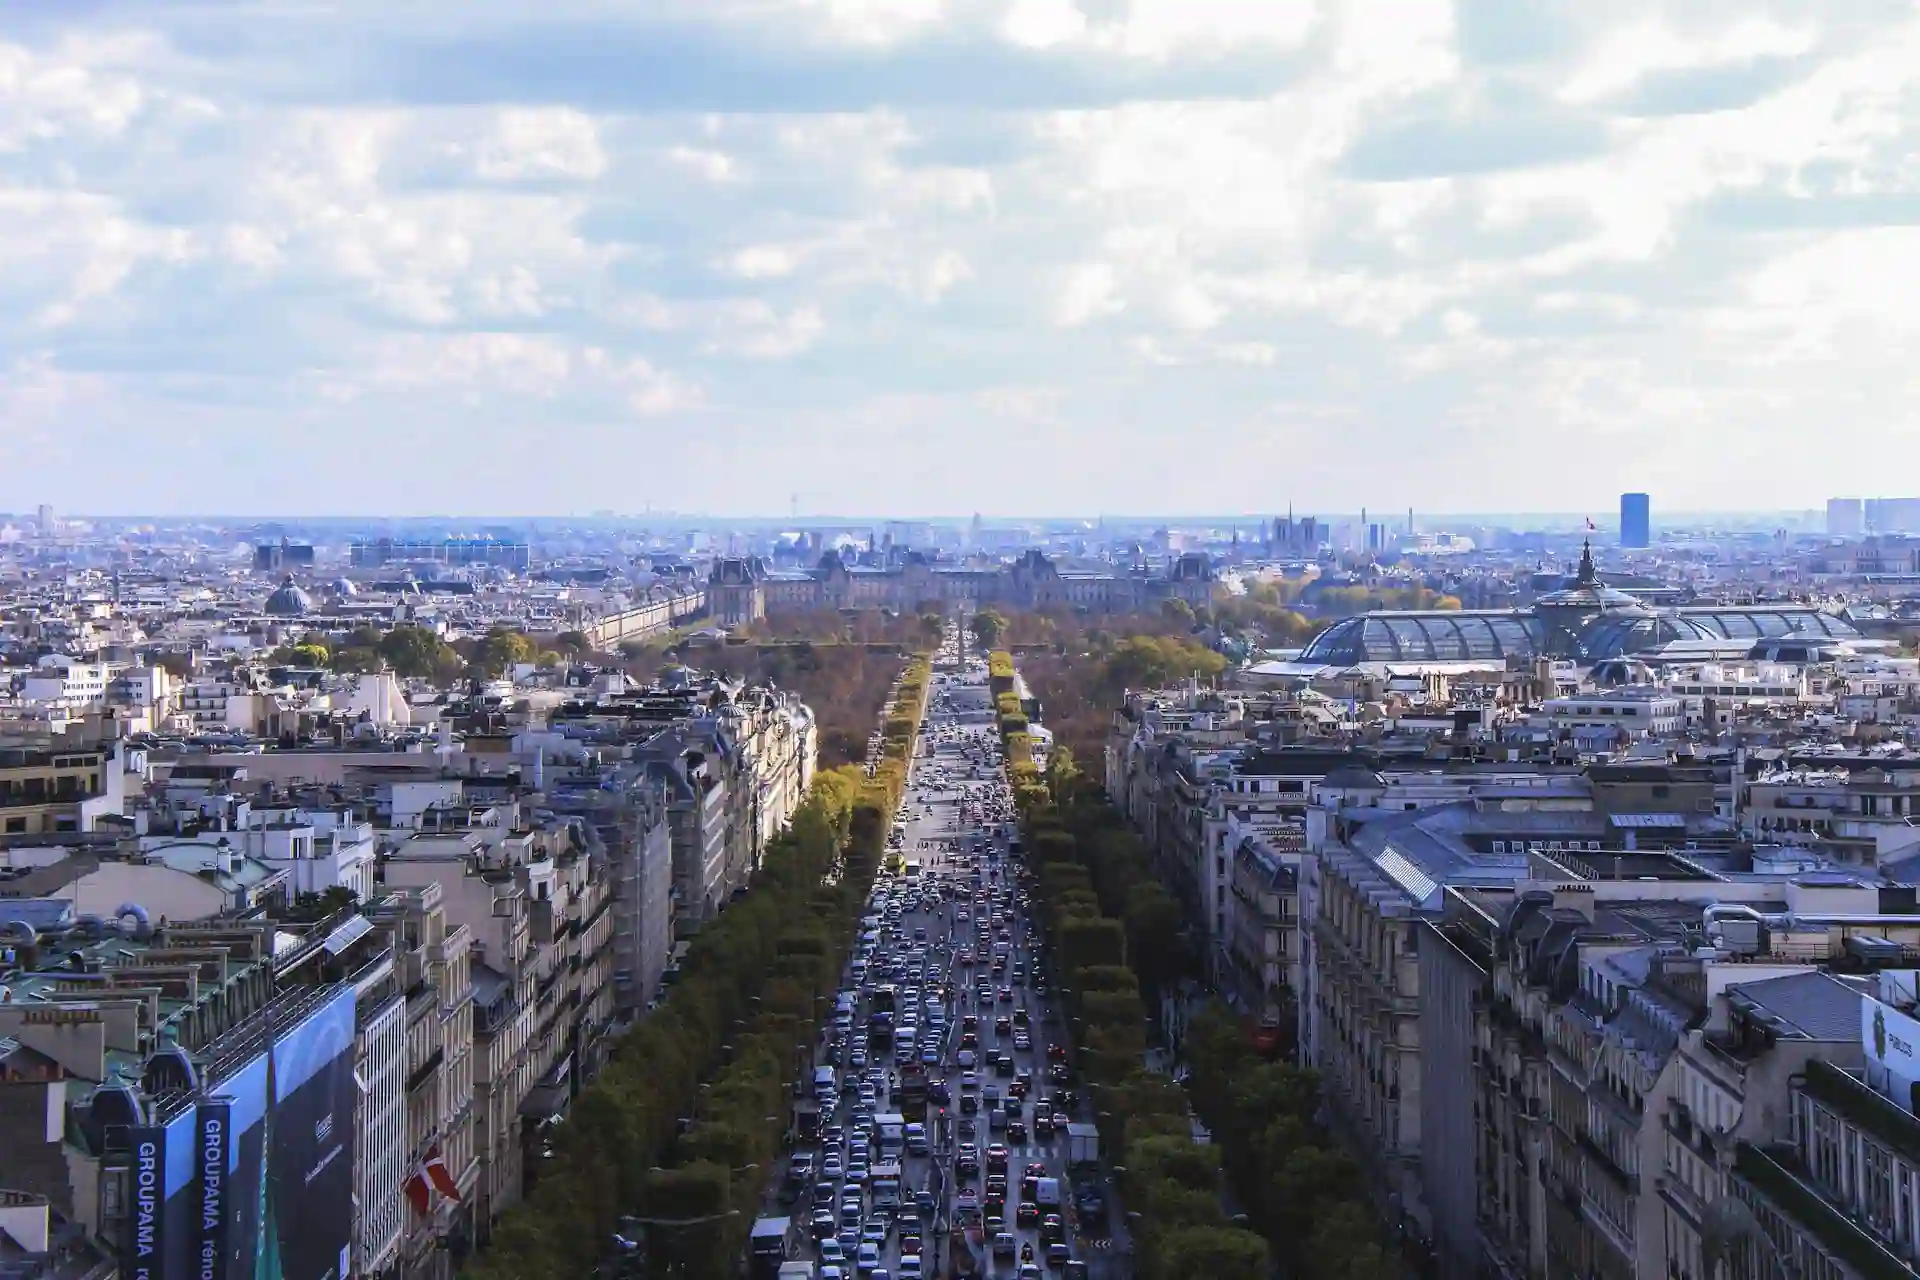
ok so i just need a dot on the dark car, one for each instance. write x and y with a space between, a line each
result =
1053 1228
1027 1215
1058 1254
1016 1131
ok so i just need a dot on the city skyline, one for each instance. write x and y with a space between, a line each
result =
712 255
477 522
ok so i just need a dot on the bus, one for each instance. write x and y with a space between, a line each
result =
910 868
885 998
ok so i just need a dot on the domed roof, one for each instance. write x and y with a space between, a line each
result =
345 587
289 601
1590 594
1429 636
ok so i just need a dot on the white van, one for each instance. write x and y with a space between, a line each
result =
826 1086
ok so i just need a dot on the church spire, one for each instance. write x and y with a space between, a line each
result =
1586 575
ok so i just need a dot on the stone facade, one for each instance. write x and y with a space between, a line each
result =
741 590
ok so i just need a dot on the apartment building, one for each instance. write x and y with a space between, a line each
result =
1263 932
433 955
1627 713
732 761
73 686
624 813
51 791
1860 809
1670 1071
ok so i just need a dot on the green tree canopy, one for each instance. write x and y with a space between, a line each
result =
1155 925
1218 1253
987 627
503 648
416 652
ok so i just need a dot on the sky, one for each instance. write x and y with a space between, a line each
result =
907 257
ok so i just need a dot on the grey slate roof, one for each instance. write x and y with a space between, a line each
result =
1816 1006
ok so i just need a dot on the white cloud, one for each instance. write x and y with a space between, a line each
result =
762 262
714 166
1104 219
1650 48
552 143
1090 292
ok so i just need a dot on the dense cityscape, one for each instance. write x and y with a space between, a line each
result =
1343 897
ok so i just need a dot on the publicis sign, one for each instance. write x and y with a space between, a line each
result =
142 1257
213 1159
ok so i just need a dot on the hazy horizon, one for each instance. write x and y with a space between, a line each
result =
1525 519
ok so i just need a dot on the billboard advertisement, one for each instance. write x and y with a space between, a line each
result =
213 1169
287 1114
310 1145
160 1228
242 1101
1892 1043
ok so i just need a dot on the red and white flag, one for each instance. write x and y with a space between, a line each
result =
419 1192
428 1177
436 1168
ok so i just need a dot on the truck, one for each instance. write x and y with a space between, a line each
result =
773 1243
911 1095
797 1271
1083 1145
892 1130
885 1183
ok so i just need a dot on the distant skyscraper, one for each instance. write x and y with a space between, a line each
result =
1846 517
1636 520
1892 515
44 518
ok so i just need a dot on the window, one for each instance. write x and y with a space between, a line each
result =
1499 846
16 826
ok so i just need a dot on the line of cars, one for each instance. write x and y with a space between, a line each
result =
935 1081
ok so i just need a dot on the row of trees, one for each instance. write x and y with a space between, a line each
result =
682 1124
412 652
918 628
1114 935
1306 1197
1309 1197
845 685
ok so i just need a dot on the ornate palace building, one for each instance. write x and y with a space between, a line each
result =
741 589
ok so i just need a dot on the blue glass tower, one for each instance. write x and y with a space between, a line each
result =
1636 520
